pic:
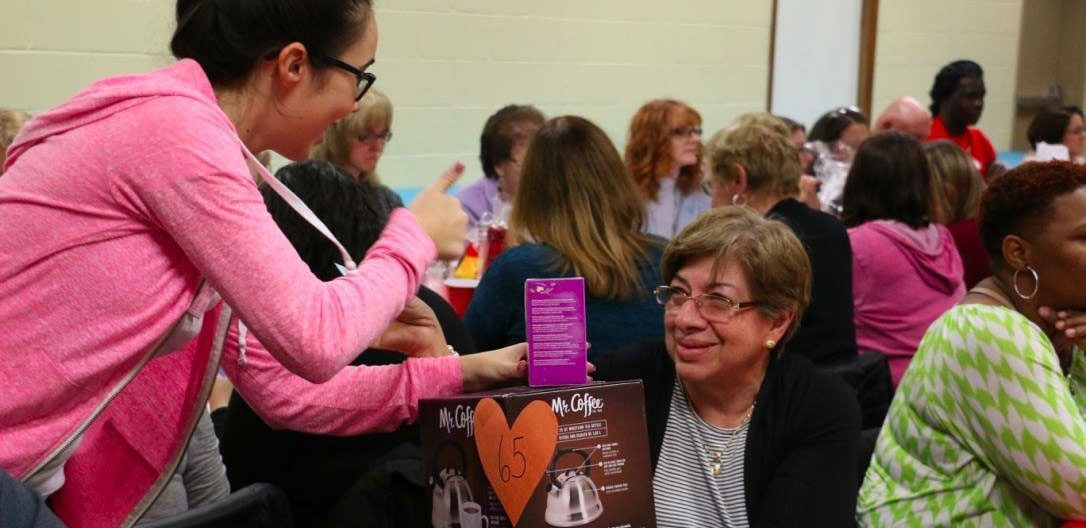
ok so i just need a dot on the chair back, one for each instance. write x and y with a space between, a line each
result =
869 375
868 438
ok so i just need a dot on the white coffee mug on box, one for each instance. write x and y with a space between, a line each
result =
471 516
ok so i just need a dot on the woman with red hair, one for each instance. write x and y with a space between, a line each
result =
663 155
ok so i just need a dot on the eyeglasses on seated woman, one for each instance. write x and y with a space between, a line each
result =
740 433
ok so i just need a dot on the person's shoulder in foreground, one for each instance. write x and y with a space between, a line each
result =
937 464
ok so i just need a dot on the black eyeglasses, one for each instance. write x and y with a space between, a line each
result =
711 306
365 79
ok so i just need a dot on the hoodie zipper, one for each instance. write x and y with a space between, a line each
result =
214 358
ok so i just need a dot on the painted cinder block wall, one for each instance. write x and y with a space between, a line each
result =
917 37
448 64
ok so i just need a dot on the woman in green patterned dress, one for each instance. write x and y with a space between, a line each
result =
988 426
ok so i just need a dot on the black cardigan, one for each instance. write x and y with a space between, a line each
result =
827 333
801 452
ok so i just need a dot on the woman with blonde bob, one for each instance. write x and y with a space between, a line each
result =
663 155
575 213
356 142
956 189
11 121
753 162
739 433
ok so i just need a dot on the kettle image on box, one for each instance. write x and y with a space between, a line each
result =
450 489
572 499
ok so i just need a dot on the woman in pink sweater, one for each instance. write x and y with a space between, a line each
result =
127 211
905 269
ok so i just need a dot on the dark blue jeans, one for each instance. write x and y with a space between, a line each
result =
21 507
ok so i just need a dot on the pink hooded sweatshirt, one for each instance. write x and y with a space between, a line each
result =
112 207
902 280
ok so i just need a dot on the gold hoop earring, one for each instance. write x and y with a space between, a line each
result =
770 344
739 199
1036 283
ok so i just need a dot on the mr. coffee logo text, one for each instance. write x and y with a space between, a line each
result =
586 404
461 418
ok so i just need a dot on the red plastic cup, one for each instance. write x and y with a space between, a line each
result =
460 293
495 244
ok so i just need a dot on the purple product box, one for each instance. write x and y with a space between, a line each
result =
554 317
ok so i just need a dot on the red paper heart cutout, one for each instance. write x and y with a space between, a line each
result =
515 458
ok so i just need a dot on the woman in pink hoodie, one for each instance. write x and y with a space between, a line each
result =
905 269
129 210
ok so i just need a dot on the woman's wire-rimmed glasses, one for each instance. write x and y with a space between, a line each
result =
365 79
712 306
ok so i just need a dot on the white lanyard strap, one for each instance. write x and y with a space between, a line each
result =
299 206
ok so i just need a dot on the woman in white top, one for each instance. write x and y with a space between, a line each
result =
663 155
1058 126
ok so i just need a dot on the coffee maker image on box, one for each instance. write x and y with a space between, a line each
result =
572 499
450 488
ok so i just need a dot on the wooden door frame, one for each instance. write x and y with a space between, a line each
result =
869 28
772 56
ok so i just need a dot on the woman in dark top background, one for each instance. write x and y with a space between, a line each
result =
753 162
576 213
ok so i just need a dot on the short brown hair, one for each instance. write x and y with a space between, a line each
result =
1048 126
1019 202
771 257
761 144
511 125
889 180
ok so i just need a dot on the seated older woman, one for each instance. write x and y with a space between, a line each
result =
740 434
987 427
753 162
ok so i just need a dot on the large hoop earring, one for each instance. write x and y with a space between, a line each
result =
739 199
1036 283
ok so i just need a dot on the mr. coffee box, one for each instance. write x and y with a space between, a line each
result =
534 458
554 318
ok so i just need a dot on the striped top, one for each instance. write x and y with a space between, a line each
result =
687 494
